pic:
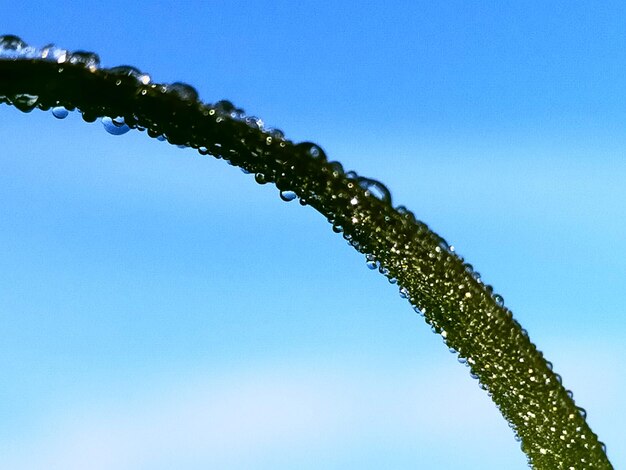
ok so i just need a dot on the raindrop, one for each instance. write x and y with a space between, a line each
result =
51 52
312 150
11 46
226 108
375 188
260 178
254 122
404 292
406 213
25 102
184 91
276 134
418 311
370 261
60 112
499 300
87 59
287 196
130 71
115 126
582 412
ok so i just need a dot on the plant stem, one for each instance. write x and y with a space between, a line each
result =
438 283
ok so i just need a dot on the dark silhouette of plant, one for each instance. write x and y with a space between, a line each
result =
438 283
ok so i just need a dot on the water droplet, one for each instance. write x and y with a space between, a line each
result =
418 311
288 196
375 188
60 112
370 261
89 116
499 300
115 126
11 46
407 214
51 52
130 71
404 292
226 108
582 412
254 122
276 134
183 91
25 102
312 150
89 60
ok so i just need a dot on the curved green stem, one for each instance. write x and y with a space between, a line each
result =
438 283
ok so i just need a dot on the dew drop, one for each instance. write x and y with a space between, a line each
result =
130 71
51 52
418 311
312 150
260 178
404 292
89 60
276 134
254 122
25 102
499 300
183 91
406 213
60 112
287 196
89 116
375 188
370 261
115 126
11 46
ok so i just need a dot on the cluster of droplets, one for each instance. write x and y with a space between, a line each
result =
445 290
14 48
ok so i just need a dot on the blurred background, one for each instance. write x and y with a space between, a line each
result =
161 310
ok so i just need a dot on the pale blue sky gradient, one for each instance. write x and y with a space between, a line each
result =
161 310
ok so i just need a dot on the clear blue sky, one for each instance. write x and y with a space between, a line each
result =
160 310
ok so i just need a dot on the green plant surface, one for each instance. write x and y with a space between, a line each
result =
438 283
